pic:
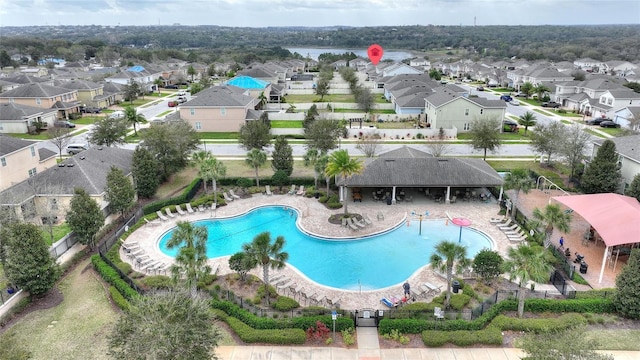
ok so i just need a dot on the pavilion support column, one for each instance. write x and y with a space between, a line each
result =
393 195
501 192
447 200
341 193
604 262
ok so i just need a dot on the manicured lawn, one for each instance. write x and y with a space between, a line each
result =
40 136
286 124
77 328
59 231
616 339
594 133
543 112
570 114
611 131
344 98
374 111
164 113
503 136
87 120
218 136
176 183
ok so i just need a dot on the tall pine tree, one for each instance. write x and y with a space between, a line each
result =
627 296
84 217
602 175
634 188
145 172
282 156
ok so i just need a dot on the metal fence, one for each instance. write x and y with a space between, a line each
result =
107 242
61 246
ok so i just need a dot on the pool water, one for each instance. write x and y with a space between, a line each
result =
366 263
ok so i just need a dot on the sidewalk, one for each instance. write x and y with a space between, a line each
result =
310 353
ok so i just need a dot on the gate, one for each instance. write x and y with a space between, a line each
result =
366 318
558 280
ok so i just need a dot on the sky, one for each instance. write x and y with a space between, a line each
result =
263 13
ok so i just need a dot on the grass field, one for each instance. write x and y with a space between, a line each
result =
77 328
286 124
59 231
616 339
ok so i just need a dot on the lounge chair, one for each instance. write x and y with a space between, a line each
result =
360 223
499 220
388 303
151 222
509 228
344 222
180 211
189 208
351 224
515 231
226 197
505 224
168 211
233 195
300 190
367 220
128 248
161 216
267 190
438 313
293 190
380 216
201 208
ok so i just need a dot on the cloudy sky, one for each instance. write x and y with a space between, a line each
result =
260 13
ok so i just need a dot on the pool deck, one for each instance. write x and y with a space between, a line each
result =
314 219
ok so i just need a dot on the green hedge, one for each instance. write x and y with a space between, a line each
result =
489 336
118 299
302 323
284 303
269 336
112 277
597 305
187 194
232 181
538 326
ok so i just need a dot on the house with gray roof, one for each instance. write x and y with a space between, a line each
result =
417 173
65 101
628 148
222 108
89 93
21 159
144 76
447 109
629 117
540 74
615 99
49 193
21 119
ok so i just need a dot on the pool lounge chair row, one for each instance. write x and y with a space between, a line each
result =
293 190
356 224
513 231
169 214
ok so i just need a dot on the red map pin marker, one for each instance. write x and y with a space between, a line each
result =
375 53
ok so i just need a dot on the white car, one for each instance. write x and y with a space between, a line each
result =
181 93
514 102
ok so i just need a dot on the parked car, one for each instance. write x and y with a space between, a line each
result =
597 121
519 94
172 103
171 87
506 98
609 124
514 102
181 99
181 93
73 149
90 110
117 114
480 88
551 104
65 124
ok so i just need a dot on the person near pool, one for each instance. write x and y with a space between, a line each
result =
407 289
561 242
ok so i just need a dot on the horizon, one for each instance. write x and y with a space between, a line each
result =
316 13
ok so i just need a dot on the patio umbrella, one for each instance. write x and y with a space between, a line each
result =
462 222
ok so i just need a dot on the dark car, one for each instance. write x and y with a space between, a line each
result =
597 121
551 104
480 88
609 124
506 98
509 126
65 124
171 87
90 110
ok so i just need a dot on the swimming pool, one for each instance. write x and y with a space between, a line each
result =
367 263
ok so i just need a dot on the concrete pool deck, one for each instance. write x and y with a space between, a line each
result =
313 218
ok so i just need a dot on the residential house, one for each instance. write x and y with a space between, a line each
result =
23 79
629 117
544 75
591 65
393 69
145 77
89 93
222 108
38 72
260 72
65 101
420 63
447 109
628 149
21 159
359 63
7 85
613 100
339 64
581 95
46 196
22 119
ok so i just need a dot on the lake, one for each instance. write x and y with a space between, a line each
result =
315 52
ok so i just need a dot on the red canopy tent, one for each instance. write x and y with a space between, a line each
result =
615 217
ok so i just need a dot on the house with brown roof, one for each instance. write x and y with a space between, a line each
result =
22 119
222 108
65 101
21 159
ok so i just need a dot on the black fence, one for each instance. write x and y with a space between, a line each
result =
107 242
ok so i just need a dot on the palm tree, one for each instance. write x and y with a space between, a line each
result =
192 257
321 168
340 164
526 120
540 89
311 158
267 254
158 83
256 159
526 263
527 89
199 160
518 180
552 216
446 256
132 117
214 169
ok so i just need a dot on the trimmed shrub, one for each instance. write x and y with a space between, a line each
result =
284 303
112 277
459 301
538 326
187 194
489 336
158 282
596 305
271 336
206 281
118 299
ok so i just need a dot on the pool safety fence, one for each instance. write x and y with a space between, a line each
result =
109 240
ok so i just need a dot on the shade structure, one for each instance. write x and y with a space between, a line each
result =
462 222
615 217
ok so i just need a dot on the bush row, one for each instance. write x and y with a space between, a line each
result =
489 336
232 181
538 326
256 322
186 196
593 305
112 277
269 336
118 299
